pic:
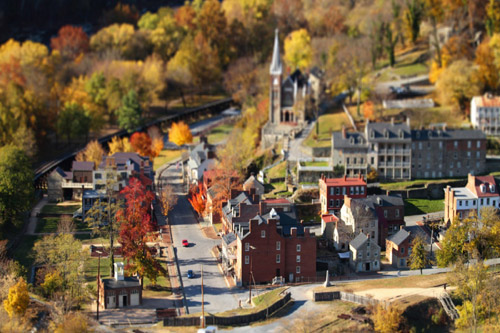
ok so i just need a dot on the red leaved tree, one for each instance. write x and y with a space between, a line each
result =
141 143
136 230
197 198
222 182
71 41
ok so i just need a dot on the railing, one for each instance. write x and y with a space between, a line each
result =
66 184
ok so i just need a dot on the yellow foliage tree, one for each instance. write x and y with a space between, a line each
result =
73 322
386 320
18 300
156 147
180 133
93 152
118 145
298 50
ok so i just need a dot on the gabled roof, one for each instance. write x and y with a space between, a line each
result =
387 131
252 181
358 241
329 218
448 134
82 166
475 183
351 140
127 282
228 238
399 237
487 100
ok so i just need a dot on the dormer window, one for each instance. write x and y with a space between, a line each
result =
352 140
386 134
492 188
483 188
372 134
401 134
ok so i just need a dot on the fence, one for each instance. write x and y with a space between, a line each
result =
348 297
229 321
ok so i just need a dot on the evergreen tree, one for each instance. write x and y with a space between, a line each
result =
129 114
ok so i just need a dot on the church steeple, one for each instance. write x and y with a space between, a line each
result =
276 68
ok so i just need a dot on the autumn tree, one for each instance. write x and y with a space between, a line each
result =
168 198
16 186
222 181
197 198
180 133
418 257
212 24
156 141
185 17
434 11
289 14
241 79
93 152
116 37
72 121
121 13
487 72
493 17
141 143
120 145
391 39
413 18
136 230
368 110
129 114
386 319
73 322
18 300
298 51
71 41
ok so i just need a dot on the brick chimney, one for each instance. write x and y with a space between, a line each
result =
344 132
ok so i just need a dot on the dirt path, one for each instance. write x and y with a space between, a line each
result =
392 294
33 216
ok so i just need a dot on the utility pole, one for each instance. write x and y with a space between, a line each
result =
98 282
250 275
202 301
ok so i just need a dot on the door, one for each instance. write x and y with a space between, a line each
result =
125 303
134 299
367 266
290 277
278 272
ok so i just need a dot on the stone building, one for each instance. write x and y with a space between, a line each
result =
365 254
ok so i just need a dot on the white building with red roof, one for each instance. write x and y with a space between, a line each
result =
485 113
332 191
328 223
480 192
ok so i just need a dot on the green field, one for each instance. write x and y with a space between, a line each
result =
49 224
412 183
59 209
166 156
219 133
23 251
423 206
328 123
278 171
315 163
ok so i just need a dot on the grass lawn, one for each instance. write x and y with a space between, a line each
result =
412 183
217 134
423 206
327 124
260 302
315 163
166 156
49 224
162 289
88 239
59 209
218 226
276 190
23 251
278 171
416 281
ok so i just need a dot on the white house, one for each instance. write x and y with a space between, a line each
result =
365 253
485 113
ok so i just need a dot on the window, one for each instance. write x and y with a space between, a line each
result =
357 189
397 212
331 202
385 212
344 190
247 260
460 202
355 160
98 175
297 270
482 201
372 160
420 145
455 155
360 254
247 247
278 245
469 144
362 190
455 144
375 264
478 144
487 201
337 203
331 190
440 144
263 234
492 188
278 258
478 154
368 254
351 190
469 154
402 250
347 160
474 202
298 247
298 258
337 190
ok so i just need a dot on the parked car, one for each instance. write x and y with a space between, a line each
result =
190 274
185 243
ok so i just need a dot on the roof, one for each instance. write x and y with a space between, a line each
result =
387 131
127 282
276 68
228 238
252 181
399 237
358 241
373 201
277 201
352 140
315 71
329 218
343 181
487 100
463 193
82 166
447 134
474 185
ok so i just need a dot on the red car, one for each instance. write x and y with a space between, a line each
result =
185 243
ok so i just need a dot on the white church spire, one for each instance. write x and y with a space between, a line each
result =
276 68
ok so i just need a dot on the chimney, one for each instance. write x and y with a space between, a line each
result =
470 179
345 177
344 133
402 227
392 121
119 275
293 231
408 121
387 192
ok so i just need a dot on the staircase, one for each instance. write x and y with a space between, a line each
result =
286 143
448 306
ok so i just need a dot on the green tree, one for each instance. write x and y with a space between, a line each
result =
129 114
493 17
418 257
73 121
391 40
413 18
16 185
95 86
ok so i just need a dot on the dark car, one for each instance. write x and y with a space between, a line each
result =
190 274
185 243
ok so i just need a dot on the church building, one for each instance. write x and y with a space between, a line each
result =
287 102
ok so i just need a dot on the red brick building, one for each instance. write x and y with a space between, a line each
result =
273 245
332 191
398 248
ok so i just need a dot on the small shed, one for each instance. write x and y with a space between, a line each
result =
120 291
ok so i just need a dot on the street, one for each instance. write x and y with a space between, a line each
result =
217 296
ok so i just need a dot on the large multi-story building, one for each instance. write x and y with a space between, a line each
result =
396 152
479 192
485 113
333 190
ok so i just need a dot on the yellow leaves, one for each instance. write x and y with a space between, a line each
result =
386 320
298 51
118 145
93 152
18 300
28 53
156 147
180 133
114 36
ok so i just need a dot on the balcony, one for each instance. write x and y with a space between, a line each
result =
70 184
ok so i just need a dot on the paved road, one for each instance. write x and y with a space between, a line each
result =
296 152
217 296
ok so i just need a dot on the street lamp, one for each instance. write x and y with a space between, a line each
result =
250 276
98 281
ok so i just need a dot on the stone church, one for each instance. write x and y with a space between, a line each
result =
287 103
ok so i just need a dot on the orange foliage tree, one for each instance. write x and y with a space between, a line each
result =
197 198
70 41
222 181
141 143
368 110
180 133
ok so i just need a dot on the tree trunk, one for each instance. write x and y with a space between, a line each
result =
436 42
